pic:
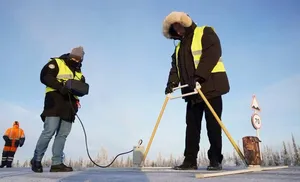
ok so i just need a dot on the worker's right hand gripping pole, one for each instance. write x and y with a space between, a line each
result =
198 88
156 126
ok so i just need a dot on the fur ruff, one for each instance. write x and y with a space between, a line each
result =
175 17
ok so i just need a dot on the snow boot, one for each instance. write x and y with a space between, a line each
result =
214 166
3 164
9 164
36 166
60 168
187 165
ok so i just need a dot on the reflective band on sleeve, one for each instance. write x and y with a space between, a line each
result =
195 53
65 76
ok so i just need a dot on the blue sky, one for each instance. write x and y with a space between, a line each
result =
127 63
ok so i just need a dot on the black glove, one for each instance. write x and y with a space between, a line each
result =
22 140
5 138
169 88
8 143
77 87
17 143
193 80
64 90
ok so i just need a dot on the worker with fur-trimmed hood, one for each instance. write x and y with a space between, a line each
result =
197 58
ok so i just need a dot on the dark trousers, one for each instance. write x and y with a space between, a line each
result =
194 114
7 158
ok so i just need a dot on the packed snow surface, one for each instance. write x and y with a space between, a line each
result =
134 175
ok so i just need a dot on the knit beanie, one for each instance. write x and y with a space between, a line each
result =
77 53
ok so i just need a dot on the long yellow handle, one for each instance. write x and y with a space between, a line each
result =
222 126
156 126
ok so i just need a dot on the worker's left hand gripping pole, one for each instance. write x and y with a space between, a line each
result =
168 96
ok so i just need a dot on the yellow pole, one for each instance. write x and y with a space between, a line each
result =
155 127
221 124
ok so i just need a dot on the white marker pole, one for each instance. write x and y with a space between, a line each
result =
257 129
257 135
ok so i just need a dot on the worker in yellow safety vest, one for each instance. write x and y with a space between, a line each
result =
64 83
197 58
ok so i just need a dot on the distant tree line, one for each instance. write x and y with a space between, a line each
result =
288 155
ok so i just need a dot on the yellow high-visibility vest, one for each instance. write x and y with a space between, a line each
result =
64 74
196 49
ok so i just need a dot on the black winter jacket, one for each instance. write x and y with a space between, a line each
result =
215 84
55 103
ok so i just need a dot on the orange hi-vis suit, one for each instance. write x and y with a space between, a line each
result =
14 137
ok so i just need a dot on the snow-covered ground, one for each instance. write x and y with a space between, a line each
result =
134 175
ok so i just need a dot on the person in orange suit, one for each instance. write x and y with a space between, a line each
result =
14 137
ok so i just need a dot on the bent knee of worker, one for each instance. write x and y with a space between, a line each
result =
47 133
63 133
64 129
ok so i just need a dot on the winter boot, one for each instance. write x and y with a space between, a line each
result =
9 164
3 164
60 168
188 164
214 166
36 166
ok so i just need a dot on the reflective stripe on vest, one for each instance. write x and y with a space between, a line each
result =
64 74
196 49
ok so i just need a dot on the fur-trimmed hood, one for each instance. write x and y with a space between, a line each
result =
175 17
